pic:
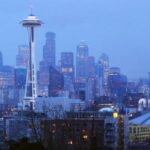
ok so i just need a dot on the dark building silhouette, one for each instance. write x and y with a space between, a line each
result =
20 77
74 134
117 84
88 130
80 90
56 82
131 99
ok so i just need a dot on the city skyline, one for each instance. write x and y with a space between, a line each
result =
89 86
116 28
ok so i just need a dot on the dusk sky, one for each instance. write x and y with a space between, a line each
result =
119 28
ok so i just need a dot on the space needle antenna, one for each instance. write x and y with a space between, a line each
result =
31 9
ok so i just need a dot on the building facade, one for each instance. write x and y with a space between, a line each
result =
82 130
67 69
81 61
22 56
104 61
49 59
56 82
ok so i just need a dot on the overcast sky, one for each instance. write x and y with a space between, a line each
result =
119 28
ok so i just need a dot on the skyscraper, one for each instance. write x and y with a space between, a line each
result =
67 66
49 50
47 61
90 67
20 77
117 83
85 64
104 60
81 60
22 56
7 76
56 82
99 79
67 69
85 72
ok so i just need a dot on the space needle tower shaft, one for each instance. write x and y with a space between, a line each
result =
31 81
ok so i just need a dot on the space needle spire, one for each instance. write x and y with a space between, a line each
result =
31 82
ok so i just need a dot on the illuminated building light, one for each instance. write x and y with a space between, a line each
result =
115 114
85 137
70 142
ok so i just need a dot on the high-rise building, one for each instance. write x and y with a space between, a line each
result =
99 79
7 85
104 60
6 77
47 61
99 69
22 56
20 77
85 72
20 81
56 82
67 66
67 69
85 64
117 84
81 60
90 89
80 89
49 50
90 67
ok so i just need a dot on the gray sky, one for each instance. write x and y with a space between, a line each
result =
120 28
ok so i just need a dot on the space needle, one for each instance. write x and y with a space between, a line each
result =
31 81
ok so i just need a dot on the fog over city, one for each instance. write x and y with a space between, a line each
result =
121 29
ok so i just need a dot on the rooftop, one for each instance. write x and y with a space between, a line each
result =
141 120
